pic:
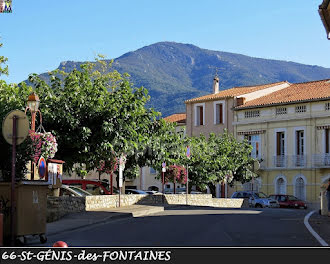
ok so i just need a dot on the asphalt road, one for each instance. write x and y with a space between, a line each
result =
197 227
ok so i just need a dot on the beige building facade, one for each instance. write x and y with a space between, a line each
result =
289 131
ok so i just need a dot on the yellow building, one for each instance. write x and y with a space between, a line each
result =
289 131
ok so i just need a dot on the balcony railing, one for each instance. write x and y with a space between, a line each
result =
294 161
280 161
321 160
298 161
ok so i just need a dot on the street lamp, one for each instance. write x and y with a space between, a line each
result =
33 105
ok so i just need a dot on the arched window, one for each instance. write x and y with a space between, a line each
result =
280 186
300 188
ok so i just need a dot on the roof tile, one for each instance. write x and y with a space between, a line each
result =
236 91
294 93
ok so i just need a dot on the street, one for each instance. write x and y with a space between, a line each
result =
196 227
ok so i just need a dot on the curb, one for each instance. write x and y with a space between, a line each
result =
118 216
311 230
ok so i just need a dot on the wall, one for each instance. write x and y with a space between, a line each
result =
57 207
209 125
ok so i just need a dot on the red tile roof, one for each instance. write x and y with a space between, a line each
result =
178 118
236 91
295 93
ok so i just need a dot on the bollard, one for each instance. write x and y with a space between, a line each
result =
1 226
60 244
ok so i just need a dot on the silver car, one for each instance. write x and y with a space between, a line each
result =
256 199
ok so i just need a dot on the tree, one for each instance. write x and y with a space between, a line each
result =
219 159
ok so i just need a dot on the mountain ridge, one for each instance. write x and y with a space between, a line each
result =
174 72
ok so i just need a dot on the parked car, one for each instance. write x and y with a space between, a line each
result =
256 199
134 191
67 190
92 186
152 192
289 201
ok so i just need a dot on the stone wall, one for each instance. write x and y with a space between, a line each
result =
59 206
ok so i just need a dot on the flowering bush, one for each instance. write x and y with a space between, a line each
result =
43 144
175 173
106 166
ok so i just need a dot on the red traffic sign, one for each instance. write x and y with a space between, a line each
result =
188 152
42 167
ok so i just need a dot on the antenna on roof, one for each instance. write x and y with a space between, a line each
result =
215 79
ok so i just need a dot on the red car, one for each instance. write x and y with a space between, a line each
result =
288 201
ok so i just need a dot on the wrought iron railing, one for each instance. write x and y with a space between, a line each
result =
321 160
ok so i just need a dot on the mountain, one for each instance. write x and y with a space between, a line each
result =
174 72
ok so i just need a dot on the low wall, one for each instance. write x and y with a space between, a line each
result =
57 207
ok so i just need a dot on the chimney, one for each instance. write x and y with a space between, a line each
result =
240 101
216 85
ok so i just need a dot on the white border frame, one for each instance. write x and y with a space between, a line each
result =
305 185
285 181
195 113
285 139
223 102
295 129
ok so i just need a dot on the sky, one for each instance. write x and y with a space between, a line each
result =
40 34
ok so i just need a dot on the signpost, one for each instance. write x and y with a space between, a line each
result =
15 129
163 178
42 167
122 162
188 156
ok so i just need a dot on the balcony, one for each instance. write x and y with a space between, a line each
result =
298 161
280 161
294 161
321 160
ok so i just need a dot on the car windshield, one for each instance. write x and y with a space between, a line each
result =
261 195
80 191
292 198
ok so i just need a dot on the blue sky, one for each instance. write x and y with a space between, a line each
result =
39 34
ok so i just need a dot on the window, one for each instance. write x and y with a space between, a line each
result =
280 160
281 111
326 131
299 158
327 106
219 113
199 114
254 141
300 188
300 109
280 186
252 113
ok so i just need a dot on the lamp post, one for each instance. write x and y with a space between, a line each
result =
33 105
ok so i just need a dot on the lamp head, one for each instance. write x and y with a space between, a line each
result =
33 102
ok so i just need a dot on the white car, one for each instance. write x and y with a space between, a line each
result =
74 191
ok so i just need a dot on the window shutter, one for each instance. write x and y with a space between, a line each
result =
327 140
278 143
220 114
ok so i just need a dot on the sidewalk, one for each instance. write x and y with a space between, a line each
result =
321 225
75 221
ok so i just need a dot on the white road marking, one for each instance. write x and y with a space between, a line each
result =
311 230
